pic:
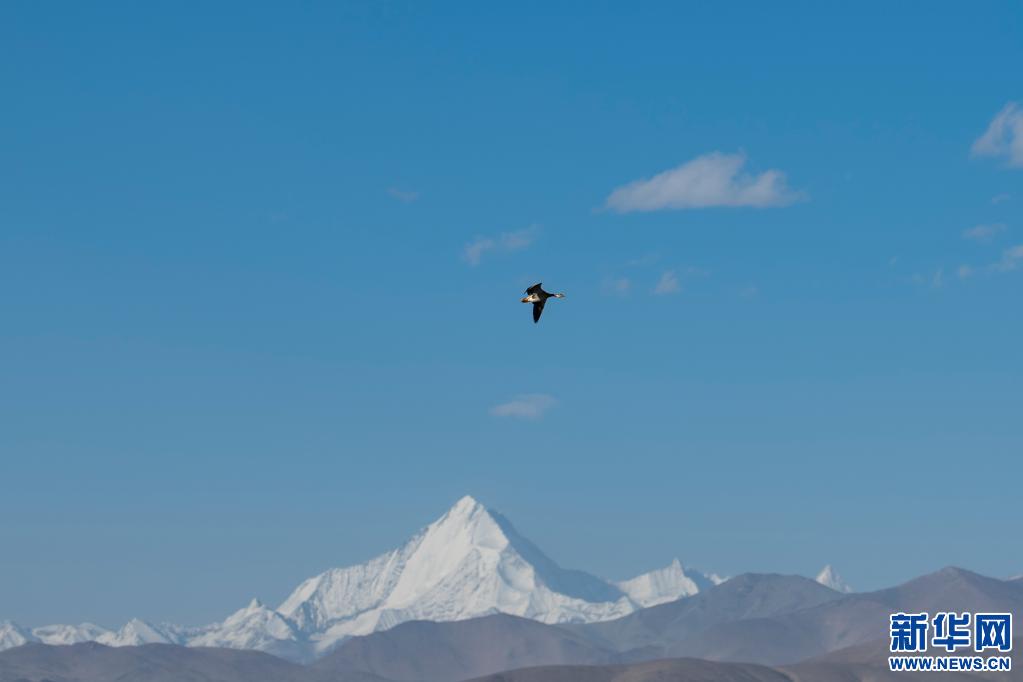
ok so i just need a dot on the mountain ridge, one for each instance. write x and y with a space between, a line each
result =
764 623
468 563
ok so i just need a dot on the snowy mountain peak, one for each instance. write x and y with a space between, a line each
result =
465 514
69 634
666 584
12 635
467 505
254 627
829 577
470 562
136 633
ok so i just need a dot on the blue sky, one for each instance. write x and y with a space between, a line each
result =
260 270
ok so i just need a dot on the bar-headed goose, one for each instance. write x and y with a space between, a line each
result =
537 296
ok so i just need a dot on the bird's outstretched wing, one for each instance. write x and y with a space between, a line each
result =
537 311
535 288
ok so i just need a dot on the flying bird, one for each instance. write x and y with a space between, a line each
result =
537 296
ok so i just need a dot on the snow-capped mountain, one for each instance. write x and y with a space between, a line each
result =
471 562
69 634
667 584
12 635
254 627
137 632
829 577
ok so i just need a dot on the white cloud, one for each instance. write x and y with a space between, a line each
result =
1000 198
1003 137
984 233
1011 259
526 406
619 286
474 251
403 195
714 179
668 283
506 242
933 281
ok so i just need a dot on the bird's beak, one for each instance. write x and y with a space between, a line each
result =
525 300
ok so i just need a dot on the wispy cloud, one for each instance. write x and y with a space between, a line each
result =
1011 259
1003 137
933 281
1001 198
714 179
667 284
618 286
505 242
403 195
526 406
984 233
644 260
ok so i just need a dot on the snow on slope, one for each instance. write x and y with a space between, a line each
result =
470 562
829 577
138 632
69 634
666 584
254 627
12 635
